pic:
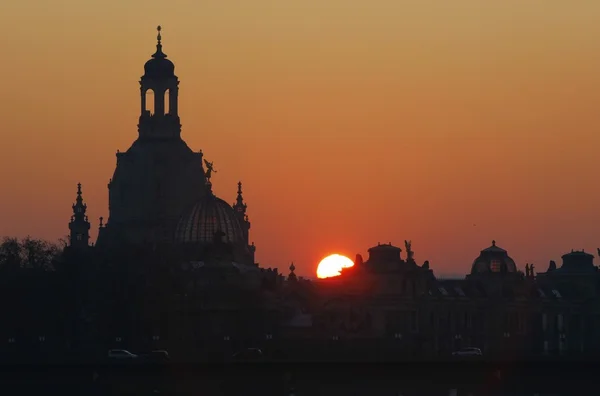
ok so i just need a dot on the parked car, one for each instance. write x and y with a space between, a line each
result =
467 352
121 354
248 354
157 356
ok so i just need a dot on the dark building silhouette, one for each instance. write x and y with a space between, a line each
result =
160 193
496 307
173 268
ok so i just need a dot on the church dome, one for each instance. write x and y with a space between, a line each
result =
159 66
207 218
493 260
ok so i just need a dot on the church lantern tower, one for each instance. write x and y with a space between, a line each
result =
159 177
79 226
159 89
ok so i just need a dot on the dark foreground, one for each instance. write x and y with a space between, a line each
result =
433 378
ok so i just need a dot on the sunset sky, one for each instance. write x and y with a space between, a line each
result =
350 122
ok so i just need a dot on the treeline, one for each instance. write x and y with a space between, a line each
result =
29 254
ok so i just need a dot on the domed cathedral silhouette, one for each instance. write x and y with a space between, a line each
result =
160 193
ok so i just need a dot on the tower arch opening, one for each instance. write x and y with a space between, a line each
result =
149 101
167 101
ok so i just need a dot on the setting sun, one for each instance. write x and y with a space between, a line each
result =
332 265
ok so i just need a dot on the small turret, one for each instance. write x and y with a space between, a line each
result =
292 276
79 226
240 211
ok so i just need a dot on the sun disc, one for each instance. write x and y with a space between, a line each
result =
332 265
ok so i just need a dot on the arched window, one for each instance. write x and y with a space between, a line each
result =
149 101
167 101
495 265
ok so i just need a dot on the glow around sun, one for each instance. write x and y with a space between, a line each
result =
332 265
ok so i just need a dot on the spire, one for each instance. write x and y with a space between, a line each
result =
79 198
79 225
79 207
239 206
159 53
292 276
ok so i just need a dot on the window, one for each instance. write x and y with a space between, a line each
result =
443 291
556 293
495 265
414 324
559 322
544 322
521 319
459 291
79 237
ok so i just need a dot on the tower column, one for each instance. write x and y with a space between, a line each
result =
159 101
142 100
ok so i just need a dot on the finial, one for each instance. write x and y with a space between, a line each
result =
240 187
493 243
78 188
159 53
101 220
292 267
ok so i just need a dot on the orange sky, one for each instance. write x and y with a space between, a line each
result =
450 123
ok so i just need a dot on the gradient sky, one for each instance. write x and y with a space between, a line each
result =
449 123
